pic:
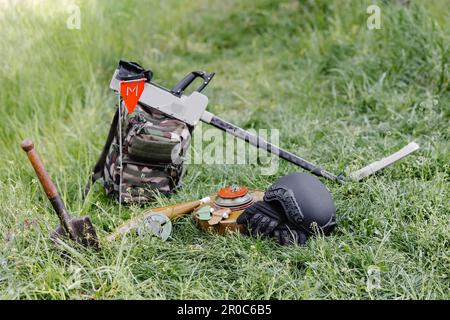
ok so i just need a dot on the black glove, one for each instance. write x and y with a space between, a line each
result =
260 219
285 235
267 220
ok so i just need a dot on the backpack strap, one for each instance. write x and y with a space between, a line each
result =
97 171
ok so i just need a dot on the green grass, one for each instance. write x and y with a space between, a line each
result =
340 94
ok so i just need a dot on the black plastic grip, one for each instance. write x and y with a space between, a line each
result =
183 84
129 71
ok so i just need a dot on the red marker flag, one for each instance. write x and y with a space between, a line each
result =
131 91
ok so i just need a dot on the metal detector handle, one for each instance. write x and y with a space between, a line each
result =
183 84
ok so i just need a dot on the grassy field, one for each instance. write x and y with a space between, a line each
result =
340 94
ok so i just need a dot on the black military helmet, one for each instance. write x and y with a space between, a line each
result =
293 208
304 200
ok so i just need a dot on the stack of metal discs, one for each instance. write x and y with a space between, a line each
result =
234 197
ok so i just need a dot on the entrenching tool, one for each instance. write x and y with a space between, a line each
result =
81 229
192 108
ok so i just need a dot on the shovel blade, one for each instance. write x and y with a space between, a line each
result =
84 231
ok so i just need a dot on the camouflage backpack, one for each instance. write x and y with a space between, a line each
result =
154 147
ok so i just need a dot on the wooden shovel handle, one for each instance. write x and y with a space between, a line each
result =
49 188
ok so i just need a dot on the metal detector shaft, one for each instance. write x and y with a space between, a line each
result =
261 143
49 188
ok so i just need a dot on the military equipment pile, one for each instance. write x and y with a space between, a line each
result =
144 155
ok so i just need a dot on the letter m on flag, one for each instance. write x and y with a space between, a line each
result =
131 91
